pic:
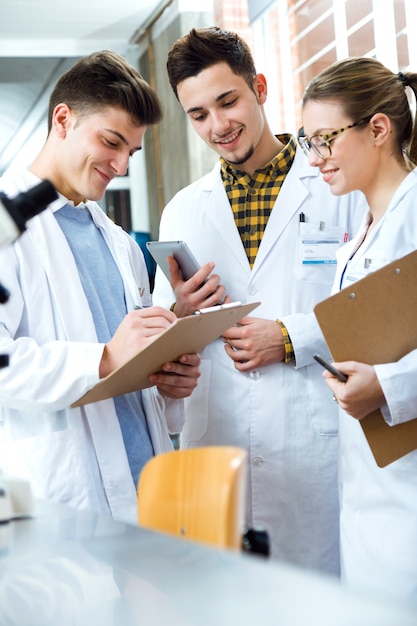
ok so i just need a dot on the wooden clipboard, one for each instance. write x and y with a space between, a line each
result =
375 321
186 335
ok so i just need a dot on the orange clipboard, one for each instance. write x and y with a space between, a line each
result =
187 335
375 321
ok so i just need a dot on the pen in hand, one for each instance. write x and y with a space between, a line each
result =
333 370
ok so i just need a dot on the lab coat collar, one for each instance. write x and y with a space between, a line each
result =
295 189
51 245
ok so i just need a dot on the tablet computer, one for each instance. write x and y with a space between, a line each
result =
187 262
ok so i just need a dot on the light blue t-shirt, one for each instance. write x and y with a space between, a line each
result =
103 287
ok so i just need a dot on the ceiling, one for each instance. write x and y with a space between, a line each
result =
39 40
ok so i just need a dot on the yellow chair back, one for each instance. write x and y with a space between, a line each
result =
196 493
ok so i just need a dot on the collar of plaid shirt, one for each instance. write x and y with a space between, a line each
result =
252 198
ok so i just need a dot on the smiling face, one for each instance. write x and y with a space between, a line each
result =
352 163
87 152
227 114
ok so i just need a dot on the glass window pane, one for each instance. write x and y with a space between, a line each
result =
356 11
399 12
362 40
313 42
402 51
308 12
306 74
400 29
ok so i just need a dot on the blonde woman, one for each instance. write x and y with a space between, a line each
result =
359 132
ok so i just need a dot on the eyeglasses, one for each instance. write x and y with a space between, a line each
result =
321 144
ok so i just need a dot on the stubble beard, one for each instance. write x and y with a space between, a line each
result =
243 159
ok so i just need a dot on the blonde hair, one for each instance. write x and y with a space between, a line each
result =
364 86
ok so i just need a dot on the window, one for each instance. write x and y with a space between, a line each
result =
293 40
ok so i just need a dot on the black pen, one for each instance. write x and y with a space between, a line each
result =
331 368
302 217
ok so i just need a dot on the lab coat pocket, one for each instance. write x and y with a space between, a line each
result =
317 246
359 268
197 406
324 413
56 466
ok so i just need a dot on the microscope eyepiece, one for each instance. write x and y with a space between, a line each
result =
15 212
26 205
21 208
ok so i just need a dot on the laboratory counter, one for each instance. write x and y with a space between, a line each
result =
66 567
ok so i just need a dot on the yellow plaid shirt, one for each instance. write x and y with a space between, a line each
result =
252 200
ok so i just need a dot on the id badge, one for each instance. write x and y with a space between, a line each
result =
318 243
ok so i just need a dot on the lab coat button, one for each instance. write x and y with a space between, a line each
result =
255 374
252 291
257 460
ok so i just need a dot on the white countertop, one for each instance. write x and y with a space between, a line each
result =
66 567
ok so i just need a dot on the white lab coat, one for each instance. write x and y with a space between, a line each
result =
379 505
281 414
73 456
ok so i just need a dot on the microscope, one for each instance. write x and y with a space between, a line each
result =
14 213
15 494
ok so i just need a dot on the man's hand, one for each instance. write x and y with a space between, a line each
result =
136 330
361 394
178 379
254 343
200 291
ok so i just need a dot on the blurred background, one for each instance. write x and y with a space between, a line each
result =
292 40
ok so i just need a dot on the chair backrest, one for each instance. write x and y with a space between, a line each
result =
197 493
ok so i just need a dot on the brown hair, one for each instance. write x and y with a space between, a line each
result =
364 86
105 79
204 47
